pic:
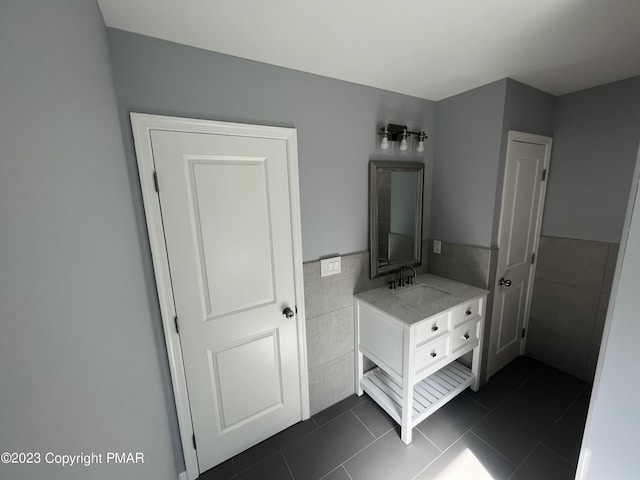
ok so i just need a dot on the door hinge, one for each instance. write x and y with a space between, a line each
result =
544 174
524 330
175 320
193 437
533 258
155 182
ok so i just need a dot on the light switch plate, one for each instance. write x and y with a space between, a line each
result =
437 246
330 266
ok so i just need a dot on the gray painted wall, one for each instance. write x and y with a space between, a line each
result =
466 166
336 123
470 149
81 369
526 109
596 140
610 440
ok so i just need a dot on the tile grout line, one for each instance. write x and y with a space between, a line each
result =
513 394
432 461
339 357
281 450
575 465
272 454
566 410
362 399
493 448
328 312
360 420
287 464
547 433
488 412
330 421
362 449
346 471
572 286
429 440
522 381
478 403
531 453
442 452
341 466
464 433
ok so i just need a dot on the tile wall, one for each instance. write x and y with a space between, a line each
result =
472 265
570 298
329 311
330 326
569 304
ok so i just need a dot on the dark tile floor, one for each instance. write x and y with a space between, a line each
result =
525 424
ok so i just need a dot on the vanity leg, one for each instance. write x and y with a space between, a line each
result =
405 433
475 369
407 387
359 372
359 367
477 352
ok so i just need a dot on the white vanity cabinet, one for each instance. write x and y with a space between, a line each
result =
414 335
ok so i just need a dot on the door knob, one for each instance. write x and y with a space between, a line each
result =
506 283
287 312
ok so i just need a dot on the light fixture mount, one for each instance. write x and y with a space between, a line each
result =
393 132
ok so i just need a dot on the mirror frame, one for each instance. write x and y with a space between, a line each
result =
401 166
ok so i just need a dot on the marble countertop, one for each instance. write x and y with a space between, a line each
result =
407 305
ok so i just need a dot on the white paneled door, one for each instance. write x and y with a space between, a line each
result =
520 222
225 203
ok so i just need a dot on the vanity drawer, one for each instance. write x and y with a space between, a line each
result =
432 328
464 312
465 336
431 353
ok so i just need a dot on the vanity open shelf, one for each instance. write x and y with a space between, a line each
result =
429 394
415 336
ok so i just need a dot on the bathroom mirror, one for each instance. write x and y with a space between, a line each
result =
395 215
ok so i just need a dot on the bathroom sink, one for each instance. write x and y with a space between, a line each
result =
421 295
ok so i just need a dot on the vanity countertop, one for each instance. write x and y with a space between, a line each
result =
407 305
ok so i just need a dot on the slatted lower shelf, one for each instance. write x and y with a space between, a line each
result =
429 394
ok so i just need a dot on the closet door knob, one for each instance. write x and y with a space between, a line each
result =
506 283
287 312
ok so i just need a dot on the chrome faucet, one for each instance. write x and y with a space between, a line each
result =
410 278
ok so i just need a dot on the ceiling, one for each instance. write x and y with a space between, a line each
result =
426 48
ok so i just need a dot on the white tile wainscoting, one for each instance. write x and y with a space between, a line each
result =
569 305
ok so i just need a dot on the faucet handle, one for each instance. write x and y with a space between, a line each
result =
410 279
392 284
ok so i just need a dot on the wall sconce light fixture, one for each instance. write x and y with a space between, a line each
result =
393 133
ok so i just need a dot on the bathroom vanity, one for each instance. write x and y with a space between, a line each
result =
415 335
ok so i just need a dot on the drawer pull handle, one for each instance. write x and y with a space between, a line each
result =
434 328
468 312
433 354
466 336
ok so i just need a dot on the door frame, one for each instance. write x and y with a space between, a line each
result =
538 140
142 125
